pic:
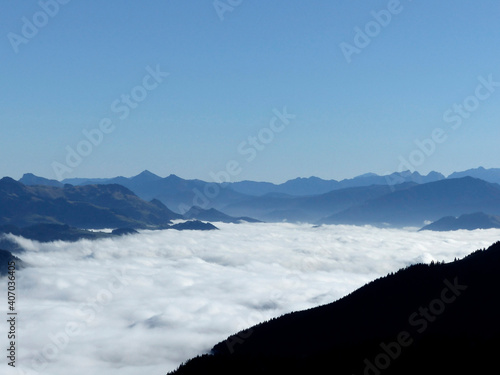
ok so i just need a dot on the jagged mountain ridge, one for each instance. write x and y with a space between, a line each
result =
89 206
296 187
316 186
181 195
419 203
490 174
347 205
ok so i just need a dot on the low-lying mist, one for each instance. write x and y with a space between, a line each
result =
143 304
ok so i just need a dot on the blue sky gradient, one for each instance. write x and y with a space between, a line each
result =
230 72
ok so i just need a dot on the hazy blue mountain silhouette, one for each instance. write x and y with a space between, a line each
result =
280 207
419 203
59 232
489 175
177 193
89 206
133 183
316 186
476 220
215 216
193 225
148 185
395 178
299 200
425 319
299 186
181 194
29 179
254 188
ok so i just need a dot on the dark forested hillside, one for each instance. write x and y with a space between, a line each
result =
425 319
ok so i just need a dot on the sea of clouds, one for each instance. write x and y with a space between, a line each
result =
144 303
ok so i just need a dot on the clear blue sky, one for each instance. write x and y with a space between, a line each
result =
228 76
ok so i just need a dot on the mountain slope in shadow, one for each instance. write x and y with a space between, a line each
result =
486 174
279 207
431 201
6 257
175 192
90 206
476 220
216 216
425 319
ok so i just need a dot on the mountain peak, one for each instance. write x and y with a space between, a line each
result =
434 173
29 179
148 175
368 175
311 179
146 172
173 177
9 181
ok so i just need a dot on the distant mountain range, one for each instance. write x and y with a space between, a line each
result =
215 216
490 175
89 206
29 179
417 204
425 319
477 220
315 185
176 193
398 199
147 185
281 207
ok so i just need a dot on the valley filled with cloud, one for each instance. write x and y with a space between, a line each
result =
145 303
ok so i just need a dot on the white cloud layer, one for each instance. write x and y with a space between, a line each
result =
142 304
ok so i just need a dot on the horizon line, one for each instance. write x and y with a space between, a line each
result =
367 174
